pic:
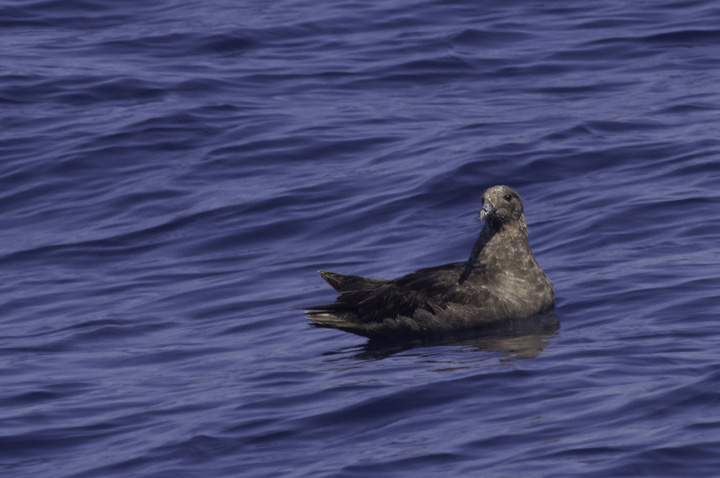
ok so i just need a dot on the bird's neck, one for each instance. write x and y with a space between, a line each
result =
514 234
498 240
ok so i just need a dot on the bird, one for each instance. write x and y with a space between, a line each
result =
501 280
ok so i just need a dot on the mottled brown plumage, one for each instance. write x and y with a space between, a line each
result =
501 280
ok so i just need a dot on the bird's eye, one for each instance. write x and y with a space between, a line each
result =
508 197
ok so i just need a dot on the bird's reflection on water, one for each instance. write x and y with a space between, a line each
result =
517 338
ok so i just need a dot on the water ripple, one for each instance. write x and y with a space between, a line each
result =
173 175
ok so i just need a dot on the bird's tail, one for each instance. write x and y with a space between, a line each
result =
342 314
352 289
348 284
337 320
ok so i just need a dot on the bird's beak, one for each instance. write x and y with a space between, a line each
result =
487 210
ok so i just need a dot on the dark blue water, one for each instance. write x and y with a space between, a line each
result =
173 173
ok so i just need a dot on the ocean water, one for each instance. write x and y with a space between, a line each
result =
173 174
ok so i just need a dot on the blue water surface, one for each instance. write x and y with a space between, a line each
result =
173 173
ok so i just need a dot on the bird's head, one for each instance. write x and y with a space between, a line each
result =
501 205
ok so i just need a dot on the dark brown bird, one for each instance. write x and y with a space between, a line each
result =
501 280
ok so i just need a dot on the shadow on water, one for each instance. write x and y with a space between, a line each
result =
517 338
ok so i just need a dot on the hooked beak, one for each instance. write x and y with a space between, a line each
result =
487 211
